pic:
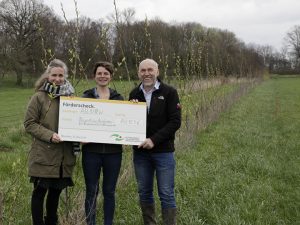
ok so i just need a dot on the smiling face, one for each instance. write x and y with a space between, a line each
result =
102 77
148 73
56 76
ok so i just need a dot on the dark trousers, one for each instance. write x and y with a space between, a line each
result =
92 164
37 204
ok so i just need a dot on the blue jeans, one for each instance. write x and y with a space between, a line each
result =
92 163
146 164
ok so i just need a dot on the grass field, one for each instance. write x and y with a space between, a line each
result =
243 169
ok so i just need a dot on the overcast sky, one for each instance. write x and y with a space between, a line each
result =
263 22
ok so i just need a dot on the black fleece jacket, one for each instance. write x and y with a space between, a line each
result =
99 147
163 119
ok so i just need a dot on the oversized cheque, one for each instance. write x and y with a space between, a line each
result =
102 121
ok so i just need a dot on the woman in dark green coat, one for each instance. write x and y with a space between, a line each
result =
51 161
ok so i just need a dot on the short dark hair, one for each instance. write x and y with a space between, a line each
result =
107 65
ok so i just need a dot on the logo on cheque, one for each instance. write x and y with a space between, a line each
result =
117 137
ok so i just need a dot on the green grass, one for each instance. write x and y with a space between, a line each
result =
12 109
243 169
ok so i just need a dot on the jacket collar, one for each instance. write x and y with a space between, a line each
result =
156 86
93 93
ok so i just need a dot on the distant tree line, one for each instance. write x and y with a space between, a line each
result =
287 61
31 34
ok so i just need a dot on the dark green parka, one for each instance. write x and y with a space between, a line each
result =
41 121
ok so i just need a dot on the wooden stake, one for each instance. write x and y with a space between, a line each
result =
1 208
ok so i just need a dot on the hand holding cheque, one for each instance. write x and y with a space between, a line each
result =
147 143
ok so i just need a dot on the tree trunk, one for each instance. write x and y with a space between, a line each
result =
19 78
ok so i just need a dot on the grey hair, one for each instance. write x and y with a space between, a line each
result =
44 76
150 60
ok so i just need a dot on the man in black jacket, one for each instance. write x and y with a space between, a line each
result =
156 154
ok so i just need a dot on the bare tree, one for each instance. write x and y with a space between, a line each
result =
19 23
293 43
93 42
267 53
4 51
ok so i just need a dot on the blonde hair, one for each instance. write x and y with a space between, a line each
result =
44 76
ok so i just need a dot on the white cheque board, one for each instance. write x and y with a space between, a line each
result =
102 121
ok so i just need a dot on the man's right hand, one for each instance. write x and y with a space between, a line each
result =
147 144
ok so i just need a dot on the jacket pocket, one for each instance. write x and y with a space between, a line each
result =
46 153
157 106
69 157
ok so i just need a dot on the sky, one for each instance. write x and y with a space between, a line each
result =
262 22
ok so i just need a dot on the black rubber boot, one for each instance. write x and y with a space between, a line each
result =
148 212
169 216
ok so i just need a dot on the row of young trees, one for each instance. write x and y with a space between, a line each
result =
31 34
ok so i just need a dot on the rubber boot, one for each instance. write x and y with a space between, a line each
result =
169 216
148 212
